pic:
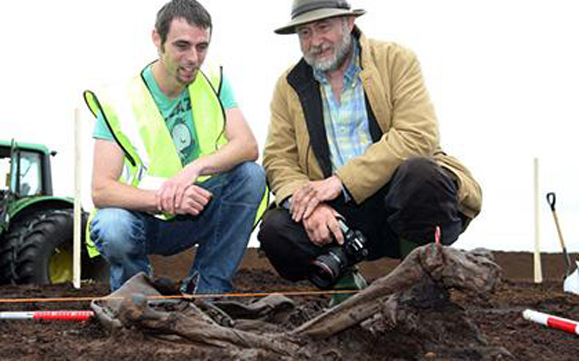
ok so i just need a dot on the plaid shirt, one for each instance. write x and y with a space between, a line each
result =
346 123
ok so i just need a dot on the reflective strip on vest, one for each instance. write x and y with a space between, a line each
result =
90 247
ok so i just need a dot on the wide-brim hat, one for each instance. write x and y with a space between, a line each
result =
307 11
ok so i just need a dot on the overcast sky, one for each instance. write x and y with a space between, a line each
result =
503 76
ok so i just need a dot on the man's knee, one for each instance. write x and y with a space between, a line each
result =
281 243
270 229
423 176
251 177
117 232
420 169
251 172
421 196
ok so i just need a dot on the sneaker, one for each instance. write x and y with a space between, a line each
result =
351 281
189 284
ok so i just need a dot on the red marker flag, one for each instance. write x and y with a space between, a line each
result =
559 323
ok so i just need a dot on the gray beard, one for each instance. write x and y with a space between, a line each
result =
340 55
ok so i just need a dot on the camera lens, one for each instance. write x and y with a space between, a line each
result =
326 270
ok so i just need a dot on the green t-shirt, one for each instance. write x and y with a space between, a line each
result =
177 114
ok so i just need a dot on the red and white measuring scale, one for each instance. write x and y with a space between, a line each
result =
559 323
48 315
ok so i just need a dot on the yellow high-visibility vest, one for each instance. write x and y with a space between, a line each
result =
138 127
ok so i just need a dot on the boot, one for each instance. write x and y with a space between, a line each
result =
352 280
406 247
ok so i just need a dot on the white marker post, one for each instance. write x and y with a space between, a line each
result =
537 255
76 250
47 315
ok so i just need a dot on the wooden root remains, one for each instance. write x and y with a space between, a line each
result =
133 306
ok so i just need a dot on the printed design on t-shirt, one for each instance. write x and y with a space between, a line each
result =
181 131
182 138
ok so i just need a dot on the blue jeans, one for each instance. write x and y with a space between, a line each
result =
126 238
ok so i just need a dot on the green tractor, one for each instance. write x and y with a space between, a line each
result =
36 228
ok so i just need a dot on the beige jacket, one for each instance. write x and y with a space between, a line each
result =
398 97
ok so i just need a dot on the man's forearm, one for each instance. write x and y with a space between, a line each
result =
119 195
227 157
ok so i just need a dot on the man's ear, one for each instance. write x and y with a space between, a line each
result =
156 39
351 20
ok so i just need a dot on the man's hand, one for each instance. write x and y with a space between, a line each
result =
194 201
322 226
171 194
308 197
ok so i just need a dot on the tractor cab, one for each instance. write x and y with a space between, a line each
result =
25 169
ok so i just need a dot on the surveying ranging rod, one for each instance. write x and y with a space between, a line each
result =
48 315
559 323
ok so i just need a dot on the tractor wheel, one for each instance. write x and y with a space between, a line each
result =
41 248
8 253
8 250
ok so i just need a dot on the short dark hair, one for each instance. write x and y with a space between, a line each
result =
190 10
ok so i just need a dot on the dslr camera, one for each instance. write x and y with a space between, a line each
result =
325 270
